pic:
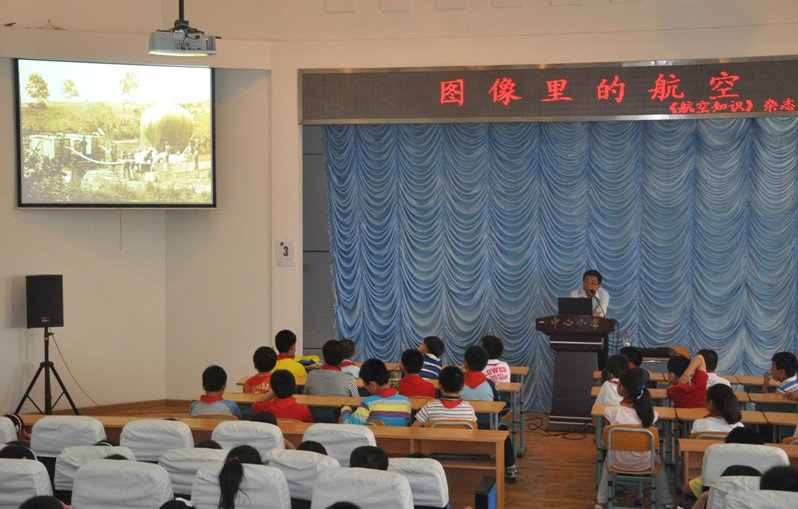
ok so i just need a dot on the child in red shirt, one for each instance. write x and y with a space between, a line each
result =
280 400
688 379
264 360
412 384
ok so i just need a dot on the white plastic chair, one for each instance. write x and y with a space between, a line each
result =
21 480
263 487
718 457
366 487
340 439
183 465
260 435
7 431
72 458
52 434
119 484
149 439
761 500
727 484
301 468
427 480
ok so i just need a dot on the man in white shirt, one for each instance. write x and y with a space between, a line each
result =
591 288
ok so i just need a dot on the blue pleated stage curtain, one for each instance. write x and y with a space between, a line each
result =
461 230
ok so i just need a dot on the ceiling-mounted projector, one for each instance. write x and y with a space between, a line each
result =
182 40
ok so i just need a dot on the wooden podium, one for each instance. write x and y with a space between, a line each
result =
577 340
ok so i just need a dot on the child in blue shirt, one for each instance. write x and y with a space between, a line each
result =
432 348
214 382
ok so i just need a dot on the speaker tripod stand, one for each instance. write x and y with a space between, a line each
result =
47 366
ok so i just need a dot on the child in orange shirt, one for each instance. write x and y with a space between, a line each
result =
264 360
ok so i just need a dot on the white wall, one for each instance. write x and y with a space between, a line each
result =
114 307
216 293
218 261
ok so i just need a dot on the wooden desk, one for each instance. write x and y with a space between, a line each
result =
654 376
693 455
509 387
493 408
782 418
754 381
772 398
300 382
201 429
779 419
742 396
688 415
462 476
731 378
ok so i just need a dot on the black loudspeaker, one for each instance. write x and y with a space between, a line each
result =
45 301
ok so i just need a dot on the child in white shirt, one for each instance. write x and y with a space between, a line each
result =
617 365
724 411
711 360
635 410
496 370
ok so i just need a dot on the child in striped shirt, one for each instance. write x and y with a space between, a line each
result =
432 348
783 368
384 404
450 406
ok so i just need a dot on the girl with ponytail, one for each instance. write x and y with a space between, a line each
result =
233 472
724 411
635 410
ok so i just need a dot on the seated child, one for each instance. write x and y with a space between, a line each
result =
688 379
264 360
477 385
741 435
616 367
348 365
232 473
368 456
312 446
385 403
285 341
412 384
783 368
19 426
635 356
636 410
450 406
280 401
433 349
724 411
711 359
330 380
44 502
214 382
496 370
17 451
733 470
780 479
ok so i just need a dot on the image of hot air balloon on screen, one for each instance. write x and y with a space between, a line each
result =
114 135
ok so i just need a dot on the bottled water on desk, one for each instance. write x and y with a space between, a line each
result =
627 338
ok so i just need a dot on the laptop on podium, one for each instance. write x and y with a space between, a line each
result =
574 306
